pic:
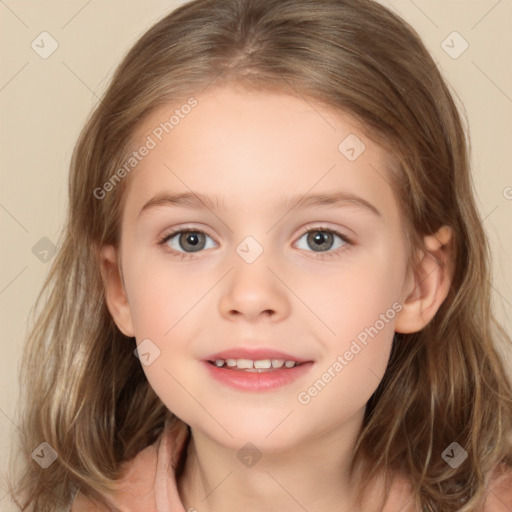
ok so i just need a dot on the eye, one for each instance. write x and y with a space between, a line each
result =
321 239
186 241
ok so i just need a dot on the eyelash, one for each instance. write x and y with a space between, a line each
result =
320 255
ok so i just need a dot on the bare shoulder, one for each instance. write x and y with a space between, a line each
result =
401 495
83 504
134 490
499 494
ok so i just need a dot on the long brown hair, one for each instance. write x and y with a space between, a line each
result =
90 400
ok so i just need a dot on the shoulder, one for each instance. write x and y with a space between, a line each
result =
401 495
499 495
134 491
83 504
151 471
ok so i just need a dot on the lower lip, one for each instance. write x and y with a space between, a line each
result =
252 381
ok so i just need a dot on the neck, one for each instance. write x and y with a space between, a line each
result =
314 476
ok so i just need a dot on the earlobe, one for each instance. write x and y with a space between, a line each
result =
429 283
115 294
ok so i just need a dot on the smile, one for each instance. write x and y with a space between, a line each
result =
245 375
249 365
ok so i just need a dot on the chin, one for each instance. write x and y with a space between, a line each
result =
271 434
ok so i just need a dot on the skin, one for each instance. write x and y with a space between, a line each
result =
254 150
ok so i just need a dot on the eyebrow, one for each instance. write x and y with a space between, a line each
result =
201 202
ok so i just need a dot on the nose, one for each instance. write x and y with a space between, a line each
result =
252 292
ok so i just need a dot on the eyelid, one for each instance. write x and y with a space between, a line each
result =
306 229
181 229
323 227
184 228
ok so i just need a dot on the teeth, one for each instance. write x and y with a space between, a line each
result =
248 364
264 363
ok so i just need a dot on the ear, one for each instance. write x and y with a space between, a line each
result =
115 294
428 284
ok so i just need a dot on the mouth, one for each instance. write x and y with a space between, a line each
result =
267 372
256 369
256 366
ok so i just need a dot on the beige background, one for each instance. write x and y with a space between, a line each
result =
44 103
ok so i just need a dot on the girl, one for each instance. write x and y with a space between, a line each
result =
273 289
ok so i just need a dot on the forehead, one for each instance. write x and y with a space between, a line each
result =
241 145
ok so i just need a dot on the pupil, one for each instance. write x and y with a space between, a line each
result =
321 239
192 240
192 237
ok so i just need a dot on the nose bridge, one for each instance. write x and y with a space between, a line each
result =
252 288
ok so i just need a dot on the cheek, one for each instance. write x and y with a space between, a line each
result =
161 294
359 305
354 296
357 354
162 306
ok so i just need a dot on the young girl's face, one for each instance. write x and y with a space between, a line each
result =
260 271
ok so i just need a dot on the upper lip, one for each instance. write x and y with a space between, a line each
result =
255 354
